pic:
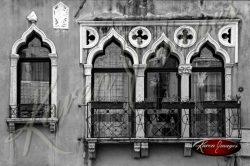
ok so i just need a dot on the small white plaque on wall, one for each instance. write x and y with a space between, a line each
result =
61 16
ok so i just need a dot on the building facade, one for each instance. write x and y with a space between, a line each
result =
123 82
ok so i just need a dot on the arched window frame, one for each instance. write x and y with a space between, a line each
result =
207 69
14 58
111 69
218 50
88 67
166 69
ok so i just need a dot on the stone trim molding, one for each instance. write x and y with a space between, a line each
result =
158 22
164 39
112 34
217 48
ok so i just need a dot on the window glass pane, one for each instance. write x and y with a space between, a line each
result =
113 86
113 58
34 82
206 86
34 50
162 86
206 59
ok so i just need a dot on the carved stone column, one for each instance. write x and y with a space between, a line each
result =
228 81
140 122
228 95
13 81
53 110
139 91
185 71
53 59
88 92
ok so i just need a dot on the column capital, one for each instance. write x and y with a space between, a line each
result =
14 56
185 69
228 68
139 69
229 65
13 60
53 59
87 69
52 55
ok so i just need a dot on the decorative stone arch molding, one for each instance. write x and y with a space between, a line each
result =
217 48
13 77
173 49
112 34
33 28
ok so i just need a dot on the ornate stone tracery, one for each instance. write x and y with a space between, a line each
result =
139 37
185 36
89 37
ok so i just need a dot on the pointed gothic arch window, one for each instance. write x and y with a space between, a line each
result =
33 78
113 83
207 84
113 75
162 84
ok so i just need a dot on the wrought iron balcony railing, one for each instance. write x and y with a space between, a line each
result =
110 119
32 114
167 120
32 111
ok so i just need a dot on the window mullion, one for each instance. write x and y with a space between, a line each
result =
185 71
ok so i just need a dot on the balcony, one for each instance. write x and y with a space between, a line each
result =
142 123
30 114
169 122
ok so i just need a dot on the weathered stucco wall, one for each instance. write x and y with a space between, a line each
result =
37 150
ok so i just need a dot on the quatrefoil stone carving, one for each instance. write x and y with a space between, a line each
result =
185 36
89 37
140 37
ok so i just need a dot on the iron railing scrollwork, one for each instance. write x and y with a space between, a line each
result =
32 111
110 119
168 119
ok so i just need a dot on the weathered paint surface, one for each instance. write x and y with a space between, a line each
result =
37 151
